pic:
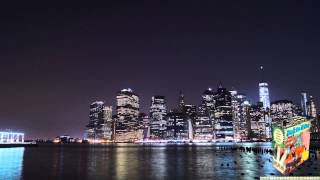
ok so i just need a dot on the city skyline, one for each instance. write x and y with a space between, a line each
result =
58 59
222 116
145 108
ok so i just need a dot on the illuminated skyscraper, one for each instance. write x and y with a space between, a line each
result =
223 117
208 102
127 104
127 111
203 124
257 126
239 119
243 129
203 128
144 125
190 111
181 102
312 114
144 120
177 126
312 111
191 114
107 128
100 124
304 101
264 95
158 112
283 110
268 121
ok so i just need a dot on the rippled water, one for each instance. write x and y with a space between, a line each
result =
137 162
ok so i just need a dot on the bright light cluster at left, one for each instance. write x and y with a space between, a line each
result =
11 138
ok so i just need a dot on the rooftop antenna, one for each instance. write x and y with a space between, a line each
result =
220 85
181 98
262 73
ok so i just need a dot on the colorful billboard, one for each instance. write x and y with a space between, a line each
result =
291 145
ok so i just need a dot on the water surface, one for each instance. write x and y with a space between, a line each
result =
138 162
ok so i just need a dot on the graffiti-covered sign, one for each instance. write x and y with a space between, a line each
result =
291 146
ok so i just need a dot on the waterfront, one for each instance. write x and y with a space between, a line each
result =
125 161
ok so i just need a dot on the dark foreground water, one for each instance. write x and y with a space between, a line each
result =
138 162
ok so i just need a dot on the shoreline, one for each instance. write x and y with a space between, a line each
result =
19 145
128 144
217 145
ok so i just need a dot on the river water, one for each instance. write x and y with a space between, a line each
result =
139 162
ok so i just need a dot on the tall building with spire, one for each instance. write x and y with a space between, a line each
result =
264 95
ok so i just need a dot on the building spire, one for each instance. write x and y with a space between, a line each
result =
262 73
181 99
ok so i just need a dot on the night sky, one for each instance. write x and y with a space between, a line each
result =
55 59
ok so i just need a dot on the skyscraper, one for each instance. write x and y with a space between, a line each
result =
158 112
283 110
268 121
181 102
127 111
100 123
203 122
191 111
257 126
237 100
144 125
312 111
264 96
107 127
315 121
203 128
207 106
177 126
223 120
244 124
304 101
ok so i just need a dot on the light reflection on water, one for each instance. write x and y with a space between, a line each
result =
158 162
11 163
137 162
